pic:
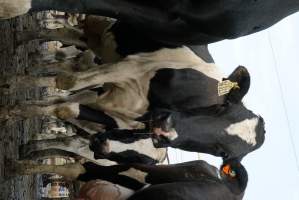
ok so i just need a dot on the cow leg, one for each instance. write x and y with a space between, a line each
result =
99 75
26 81
75 171
62 111
92 115
53 68
67 62
74 145
64 35
129 68
68 171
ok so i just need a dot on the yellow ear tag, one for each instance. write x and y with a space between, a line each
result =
226 86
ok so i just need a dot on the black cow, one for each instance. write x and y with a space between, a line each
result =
191 180
173 22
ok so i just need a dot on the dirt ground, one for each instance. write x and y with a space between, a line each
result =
17 59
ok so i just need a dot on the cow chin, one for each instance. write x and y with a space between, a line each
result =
161 141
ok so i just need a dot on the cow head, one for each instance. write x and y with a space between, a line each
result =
228 130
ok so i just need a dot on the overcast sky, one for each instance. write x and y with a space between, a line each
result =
272 58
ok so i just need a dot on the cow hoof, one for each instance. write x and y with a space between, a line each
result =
65 82
64 113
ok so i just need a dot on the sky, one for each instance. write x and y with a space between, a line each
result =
272 58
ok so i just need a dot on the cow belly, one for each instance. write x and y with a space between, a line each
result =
125 101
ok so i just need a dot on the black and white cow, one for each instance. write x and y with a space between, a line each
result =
170 92
172 22
191 180
140 151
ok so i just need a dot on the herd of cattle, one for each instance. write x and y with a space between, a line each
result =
148 82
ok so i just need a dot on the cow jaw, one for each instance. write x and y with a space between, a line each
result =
245 130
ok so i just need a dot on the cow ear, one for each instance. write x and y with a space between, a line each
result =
241 76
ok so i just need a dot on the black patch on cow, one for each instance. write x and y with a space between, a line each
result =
187 22
97 116
126 136
202 51
98 90
131 41
109 173
182 89
187 171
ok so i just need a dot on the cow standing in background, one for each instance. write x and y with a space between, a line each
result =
196 180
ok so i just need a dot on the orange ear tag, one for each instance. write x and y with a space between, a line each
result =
226 86
226 169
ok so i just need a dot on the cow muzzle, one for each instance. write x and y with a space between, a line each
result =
100 146
163 130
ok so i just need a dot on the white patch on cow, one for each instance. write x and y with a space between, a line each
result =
136 174
244 130
178 58
144 146
172 134
13 8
